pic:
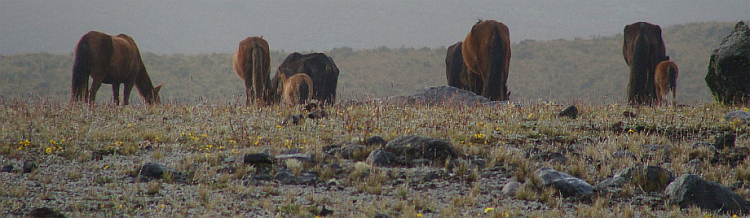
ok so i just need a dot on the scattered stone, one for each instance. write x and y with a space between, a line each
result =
7 169
381 158
29 166
725 141
690 190
375 140
44 212
729 67
694 165
510 188
290 151
710 146
258 158
284 176
735 116
570 111
317 114
563 182
624 154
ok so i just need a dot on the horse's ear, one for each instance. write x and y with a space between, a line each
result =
157 88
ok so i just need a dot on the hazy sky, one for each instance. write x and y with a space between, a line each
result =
217 26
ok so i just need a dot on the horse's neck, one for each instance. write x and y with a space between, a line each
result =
143 84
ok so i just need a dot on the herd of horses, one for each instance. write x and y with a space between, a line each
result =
480 64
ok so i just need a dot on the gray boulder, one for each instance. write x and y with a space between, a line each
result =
416 147
741 116
728 74
690 190
570 111
439 95
381 158
565 183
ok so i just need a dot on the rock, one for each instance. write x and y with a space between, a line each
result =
375 140
381 158
439 95
7 169
563 182
510 188
549 157
611 183
710 146
156 171
290 151
724 141
347 151
416 147
44 212
29 166
690 190
285 177
324 211
624 154
694 165
299 156
735 116
570 111
629 114
729 67
317 114
731 156
258 158
650 178
293 119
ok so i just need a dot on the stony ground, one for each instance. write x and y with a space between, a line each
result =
89 160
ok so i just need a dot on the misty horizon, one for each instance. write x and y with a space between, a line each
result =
191 27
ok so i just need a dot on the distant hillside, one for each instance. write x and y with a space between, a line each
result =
589 70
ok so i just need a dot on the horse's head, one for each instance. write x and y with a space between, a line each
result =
155 91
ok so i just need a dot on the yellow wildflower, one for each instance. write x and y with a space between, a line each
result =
486 210
20 148
52 141
48 150
419 215
234 151
630 130
106 166
130 125
118 143
531 115
232 141
278 127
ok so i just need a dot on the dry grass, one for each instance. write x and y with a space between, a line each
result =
99 149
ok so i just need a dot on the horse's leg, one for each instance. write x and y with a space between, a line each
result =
248 91
126 92
95 84
116 93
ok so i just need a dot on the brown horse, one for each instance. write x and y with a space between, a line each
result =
486 53
297 89
110 60
456 72
321 69
252 63
666 80
643 49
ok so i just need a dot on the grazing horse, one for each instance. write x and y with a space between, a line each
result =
486 53
252 63
643 49
321 69
110 60
297 89
666 80
456 72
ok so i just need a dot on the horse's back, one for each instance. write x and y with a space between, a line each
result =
242 58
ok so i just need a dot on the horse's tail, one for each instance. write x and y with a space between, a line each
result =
331 82
305 91
495 87
639 72
259 86
81 70
673 73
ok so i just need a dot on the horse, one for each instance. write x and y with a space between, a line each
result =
318 66
643 49
297 89
252 63
665 80
456 72
486 54
111 60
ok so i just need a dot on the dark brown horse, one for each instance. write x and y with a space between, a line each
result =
666 80
111 60
321 69
486 52
456 72
252 63
643 49
297 89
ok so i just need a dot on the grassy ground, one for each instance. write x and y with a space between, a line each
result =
89 157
